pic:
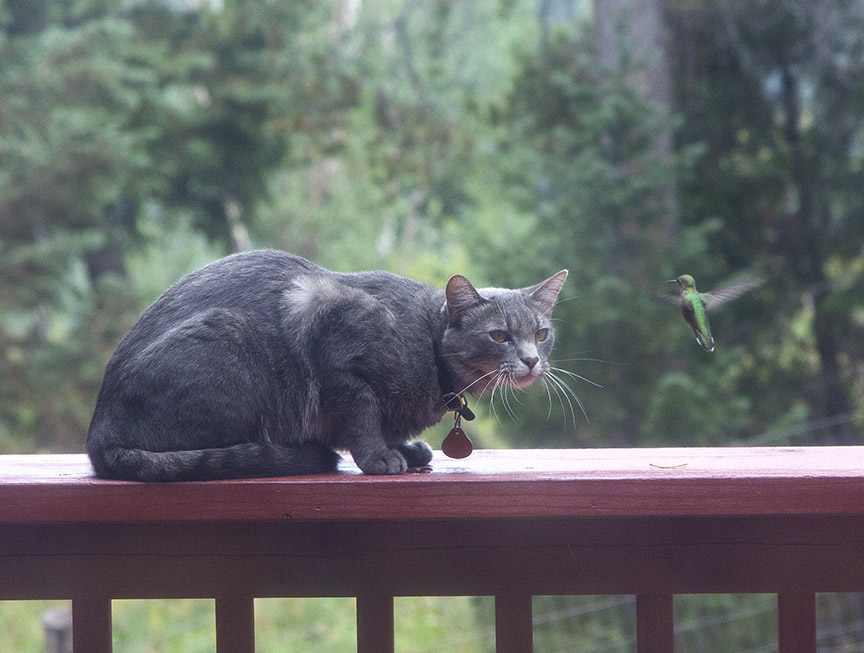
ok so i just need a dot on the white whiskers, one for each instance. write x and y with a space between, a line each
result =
565 393
496 383
501 386
467 387
507 384
574 375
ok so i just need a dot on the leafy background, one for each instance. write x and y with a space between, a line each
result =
502 139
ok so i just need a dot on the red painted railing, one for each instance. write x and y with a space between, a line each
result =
511 524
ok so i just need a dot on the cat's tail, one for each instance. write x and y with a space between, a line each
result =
250 460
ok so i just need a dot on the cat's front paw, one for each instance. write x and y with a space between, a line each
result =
387 461
417 453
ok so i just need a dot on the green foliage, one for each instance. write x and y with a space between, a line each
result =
423 625
137 143
583 623
305 625
776 100
21 624
725 622
112 120
142 626
460 624
597 188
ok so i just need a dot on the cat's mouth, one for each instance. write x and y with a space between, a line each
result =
496 378
485 381
524 380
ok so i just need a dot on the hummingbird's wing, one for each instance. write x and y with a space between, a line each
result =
730 292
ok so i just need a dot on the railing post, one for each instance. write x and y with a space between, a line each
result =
91 625
655 623
796 622
57 626
375 624
514 631
235 625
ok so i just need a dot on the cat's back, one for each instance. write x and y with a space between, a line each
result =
249 283
395 291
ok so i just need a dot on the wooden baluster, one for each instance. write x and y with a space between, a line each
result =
235 625
655 623
796 622
375 624
514 631
91 625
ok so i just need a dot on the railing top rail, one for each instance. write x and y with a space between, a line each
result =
488 484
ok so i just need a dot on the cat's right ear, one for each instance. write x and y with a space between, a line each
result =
461 296
546 293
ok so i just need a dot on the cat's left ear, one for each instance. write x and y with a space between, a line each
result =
461 296
546 293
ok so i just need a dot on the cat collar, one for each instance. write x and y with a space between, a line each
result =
456 403
457 444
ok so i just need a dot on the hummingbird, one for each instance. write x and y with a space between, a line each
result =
694 304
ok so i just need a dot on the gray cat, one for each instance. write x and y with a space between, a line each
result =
262 363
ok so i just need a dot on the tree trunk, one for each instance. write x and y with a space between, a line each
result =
806 261
636 31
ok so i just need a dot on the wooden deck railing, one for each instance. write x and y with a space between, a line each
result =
511 524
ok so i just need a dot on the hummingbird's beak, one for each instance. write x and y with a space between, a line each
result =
671 280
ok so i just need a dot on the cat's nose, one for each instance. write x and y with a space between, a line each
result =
530 361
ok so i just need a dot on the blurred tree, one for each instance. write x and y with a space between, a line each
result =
776 95
631 36
244 82
596 181
504 140
403 171
113 115
73 162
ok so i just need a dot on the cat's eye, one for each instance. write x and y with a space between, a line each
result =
541 335
499 335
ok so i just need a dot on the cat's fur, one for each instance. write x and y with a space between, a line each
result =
262 363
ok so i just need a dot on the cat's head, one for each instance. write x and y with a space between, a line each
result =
498 337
